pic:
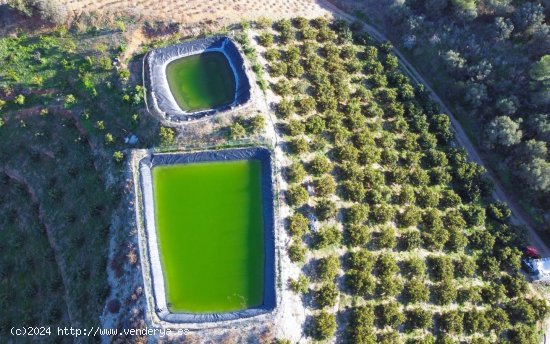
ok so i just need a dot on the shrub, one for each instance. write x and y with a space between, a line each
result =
390 314
325 209
415 291
297 195
451 322
315 125
167 136
326 295
407 195
272 55
282 341
510 258
257 124
387 237
414 267
265 39
353 191
465 267
410 217
361 260
346 153
471 294
427 197
523 334
307 105
109 139
357 235
327 268
383 213
296 252
237 131
357 214
389 286
361 325
320 165
360 282
285 108
444 292
482 240
499 211
19 99
411 240
435 238
449 199
350 171
295 127
453 220
118 156
298 225
298 145
299 285
283 87
441 267
418 318
295 173
387 266
323 325
327 236
498 319
475 321
516 285
324 186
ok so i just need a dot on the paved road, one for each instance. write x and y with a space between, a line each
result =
518 215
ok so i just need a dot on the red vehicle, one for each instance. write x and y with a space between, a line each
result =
531 252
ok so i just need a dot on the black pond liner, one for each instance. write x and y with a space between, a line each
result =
269 294
164 103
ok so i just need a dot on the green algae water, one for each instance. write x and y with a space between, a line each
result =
210 233
201 81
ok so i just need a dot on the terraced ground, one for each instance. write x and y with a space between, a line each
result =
28 267
63 116
407 244
195 11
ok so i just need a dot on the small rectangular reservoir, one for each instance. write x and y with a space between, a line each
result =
201 81
210 234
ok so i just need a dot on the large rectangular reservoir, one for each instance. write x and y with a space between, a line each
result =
209 223
209 226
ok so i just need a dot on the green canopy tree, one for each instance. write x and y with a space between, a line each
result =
503 131
540 76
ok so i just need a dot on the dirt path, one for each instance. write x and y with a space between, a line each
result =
16 176
518 215
135 39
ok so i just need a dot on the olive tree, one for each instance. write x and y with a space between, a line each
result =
503 131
